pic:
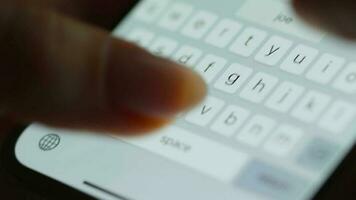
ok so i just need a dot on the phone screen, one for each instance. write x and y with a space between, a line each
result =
277 121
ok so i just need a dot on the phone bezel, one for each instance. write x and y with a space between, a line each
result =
30 180
46 187
50 188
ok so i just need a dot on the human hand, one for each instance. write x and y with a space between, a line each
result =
58 69
337 17
334 16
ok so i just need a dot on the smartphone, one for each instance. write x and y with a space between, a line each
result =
278 121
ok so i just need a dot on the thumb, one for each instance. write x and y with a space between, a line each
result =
59 71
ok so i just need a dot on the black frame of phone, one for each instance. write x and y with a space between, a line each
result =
45 187
30 181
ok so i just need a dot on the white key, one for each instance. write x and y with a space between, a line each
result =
338 117
233 78
248 42
346 81
230 120
325 69
283 141
190 149
300 58
259 87
205 112
163 47
256 130
210 66
223 33
187 55
149 10
175 16
273 50
141 37
199 24
284 97
280 16
311 106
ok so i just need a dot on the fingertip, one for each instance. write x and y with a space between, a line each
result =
134 124
193 90
179 87
151 85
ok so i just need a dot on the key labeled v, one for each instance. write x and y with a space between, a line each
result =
206 109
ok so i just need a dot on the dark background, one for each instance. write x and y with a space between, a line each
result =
8 188
342 187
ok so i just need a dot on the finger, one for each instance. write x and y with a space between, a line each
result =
105 13
58 71
334 16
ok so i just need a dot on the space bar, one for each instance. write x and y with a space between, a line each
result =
199 153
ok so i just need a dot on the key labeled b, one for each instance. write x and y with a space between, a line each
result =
230 120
